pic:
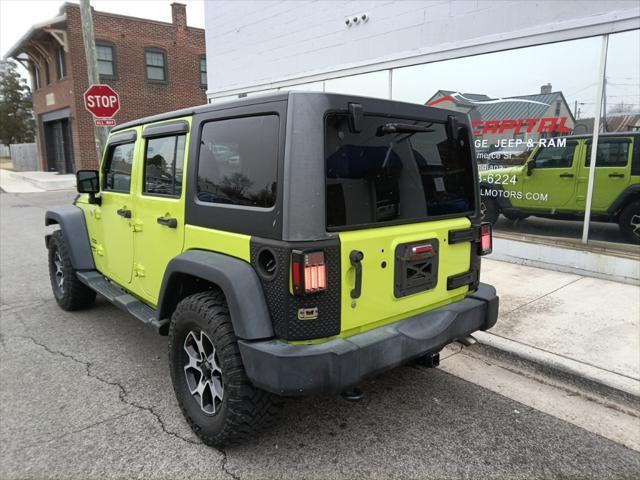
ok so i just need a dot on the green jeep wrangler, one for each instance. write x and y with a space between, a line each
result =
553 183
291 244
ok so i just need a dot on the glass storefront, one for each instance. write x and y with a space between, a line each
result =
533 114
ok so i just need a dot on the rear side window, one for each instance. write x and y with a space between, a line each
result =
378 177
163 165
556 157
117 171
610 153
238 162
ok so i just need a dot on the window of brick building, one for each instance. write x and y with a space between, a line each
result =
156 65
106 62
36 77
203 71
61 63
47 72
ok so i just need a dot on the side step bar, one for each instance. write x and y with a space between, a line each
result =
147 315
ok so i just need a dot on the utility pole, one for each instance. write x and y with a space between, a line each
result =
92 65
575 109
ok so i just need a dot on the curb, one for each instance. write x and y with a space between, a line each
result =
586 377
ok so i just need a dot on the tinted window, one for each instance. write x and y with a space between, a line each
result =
163 165
117 172
610 153
238 161
376 177
556 157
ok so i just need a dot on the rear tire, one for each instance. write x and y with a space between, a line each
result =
489 210
629 222
213 391
70 293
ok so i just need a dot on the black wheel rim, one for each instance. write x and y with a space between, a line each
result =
202 371
59 271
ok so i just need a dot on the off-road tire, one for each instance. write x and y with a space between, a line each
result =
489 210
245 409
629 222
71 294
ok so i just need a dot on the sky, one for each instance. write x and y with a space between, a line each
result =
17 16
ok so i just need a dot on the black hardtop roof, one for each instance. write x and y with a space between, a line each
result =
255 100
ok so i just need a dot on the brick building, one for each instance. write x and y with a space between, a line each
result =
154 66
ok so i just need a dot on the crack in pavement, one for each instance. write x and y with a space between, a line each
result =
123 398
123 392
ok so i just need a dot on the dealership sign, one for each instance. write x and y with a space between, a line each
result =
522 125
103 102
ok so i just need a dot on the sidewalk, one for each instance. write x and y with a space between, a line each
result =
586 327
28 182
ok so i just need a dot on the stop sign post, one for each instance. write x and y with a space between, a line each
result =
103 102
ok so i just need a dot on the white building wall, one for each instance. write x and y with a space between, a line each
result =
255 45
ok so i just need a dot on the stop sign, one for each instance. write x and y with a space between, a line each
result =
101 101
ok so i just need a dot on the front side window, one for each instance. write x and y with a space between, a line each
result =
610 153
156 65
238 162
163 165
203 71
117 171
105 60
394 170
556 157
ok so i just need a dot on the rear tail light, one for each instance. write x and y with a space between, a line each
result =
308 272
486 239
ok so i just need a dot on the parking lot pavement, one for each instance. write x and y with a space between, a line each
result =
88 395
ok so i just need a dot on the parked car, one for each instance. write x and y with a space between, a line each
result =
344 241
553 183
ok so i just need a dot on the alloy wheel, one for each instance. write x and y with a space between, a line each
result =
57 262
202 371
635 225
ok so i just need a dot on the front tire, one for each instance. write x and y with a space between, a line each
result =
70 293
489 210
629 222
213 391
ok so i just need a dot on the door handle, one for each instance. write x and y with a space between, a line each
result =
355 257
168 222
123 212
566 175
616 175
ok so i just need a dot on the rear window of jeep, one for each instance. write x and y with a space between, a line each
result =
238 162
394 171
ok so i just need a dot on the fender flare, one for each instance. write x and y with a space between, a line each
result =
628 194
236 278
74 230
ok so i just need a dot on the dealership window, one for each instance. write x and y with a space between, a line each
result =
117 170
618 154
156 65
106 60
163 165
61 65
236 166
203 71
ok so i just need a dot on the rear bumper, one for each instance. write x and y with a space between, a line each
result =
336 365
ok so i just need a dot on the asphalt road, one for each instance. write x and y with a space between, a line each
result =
88 395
